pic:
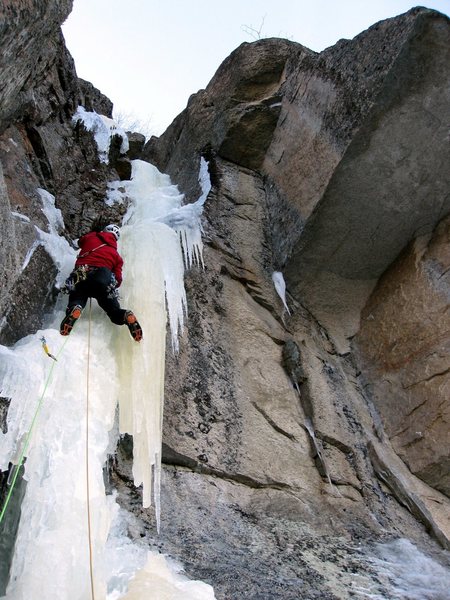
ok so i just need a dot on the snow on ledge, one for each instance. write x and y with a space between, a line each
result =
103 129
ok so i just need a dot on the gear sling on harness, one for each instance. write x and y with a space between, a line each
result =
78 274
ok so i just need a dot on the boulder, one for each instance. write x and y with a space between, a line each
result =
234 117
93 100
136 143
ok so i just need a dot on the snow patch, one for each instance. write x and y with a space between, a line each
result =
21 216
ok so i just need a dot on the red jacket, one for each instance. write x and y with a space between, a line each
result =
99 249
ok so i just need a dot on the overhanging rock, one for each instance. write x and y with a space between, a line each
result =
390 185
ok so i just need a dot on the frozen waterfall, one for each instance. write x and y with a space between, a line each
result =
51 560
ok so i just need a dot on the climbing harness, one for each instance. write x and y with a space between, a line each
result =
81 273
77 275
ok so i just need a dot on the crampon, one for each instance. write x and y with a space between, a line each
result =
133 325
70 319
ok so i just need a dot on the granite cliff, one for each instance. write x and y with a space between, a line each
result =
293 443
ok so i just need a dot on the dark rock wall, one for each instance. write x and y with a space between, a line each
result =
29 33
40 148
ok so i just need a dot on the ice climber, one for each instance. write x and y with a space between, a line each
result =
97 274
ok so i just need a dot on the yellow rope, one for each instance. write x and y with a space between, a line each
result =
87 457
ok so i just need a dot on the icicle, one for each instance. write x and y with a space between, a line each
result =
186 220
204 180
310 429
154 289
280 286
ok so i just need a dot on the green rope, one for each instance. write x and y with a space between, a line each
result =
28 438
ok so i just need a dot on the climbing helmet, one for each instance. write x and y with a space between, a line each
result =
114 229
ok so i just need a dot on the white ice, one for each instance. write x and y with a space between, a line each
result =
115 193
103 129
159 580
56 245
53 214
51 554
408 573
186 220
157 576
50 559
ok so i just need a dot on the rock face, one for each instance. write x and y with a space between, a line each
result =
26 57
318 169
389 186
405 344
292 442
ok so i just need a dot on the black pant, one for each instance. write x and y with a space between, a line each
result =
96 286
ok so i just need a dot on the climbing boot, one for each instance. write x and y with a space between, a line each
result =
69 320
133 325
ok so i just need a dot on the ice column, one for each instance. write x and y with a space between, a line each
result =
150 245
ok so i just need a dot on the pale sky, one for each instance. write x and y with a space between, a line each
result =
149 56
